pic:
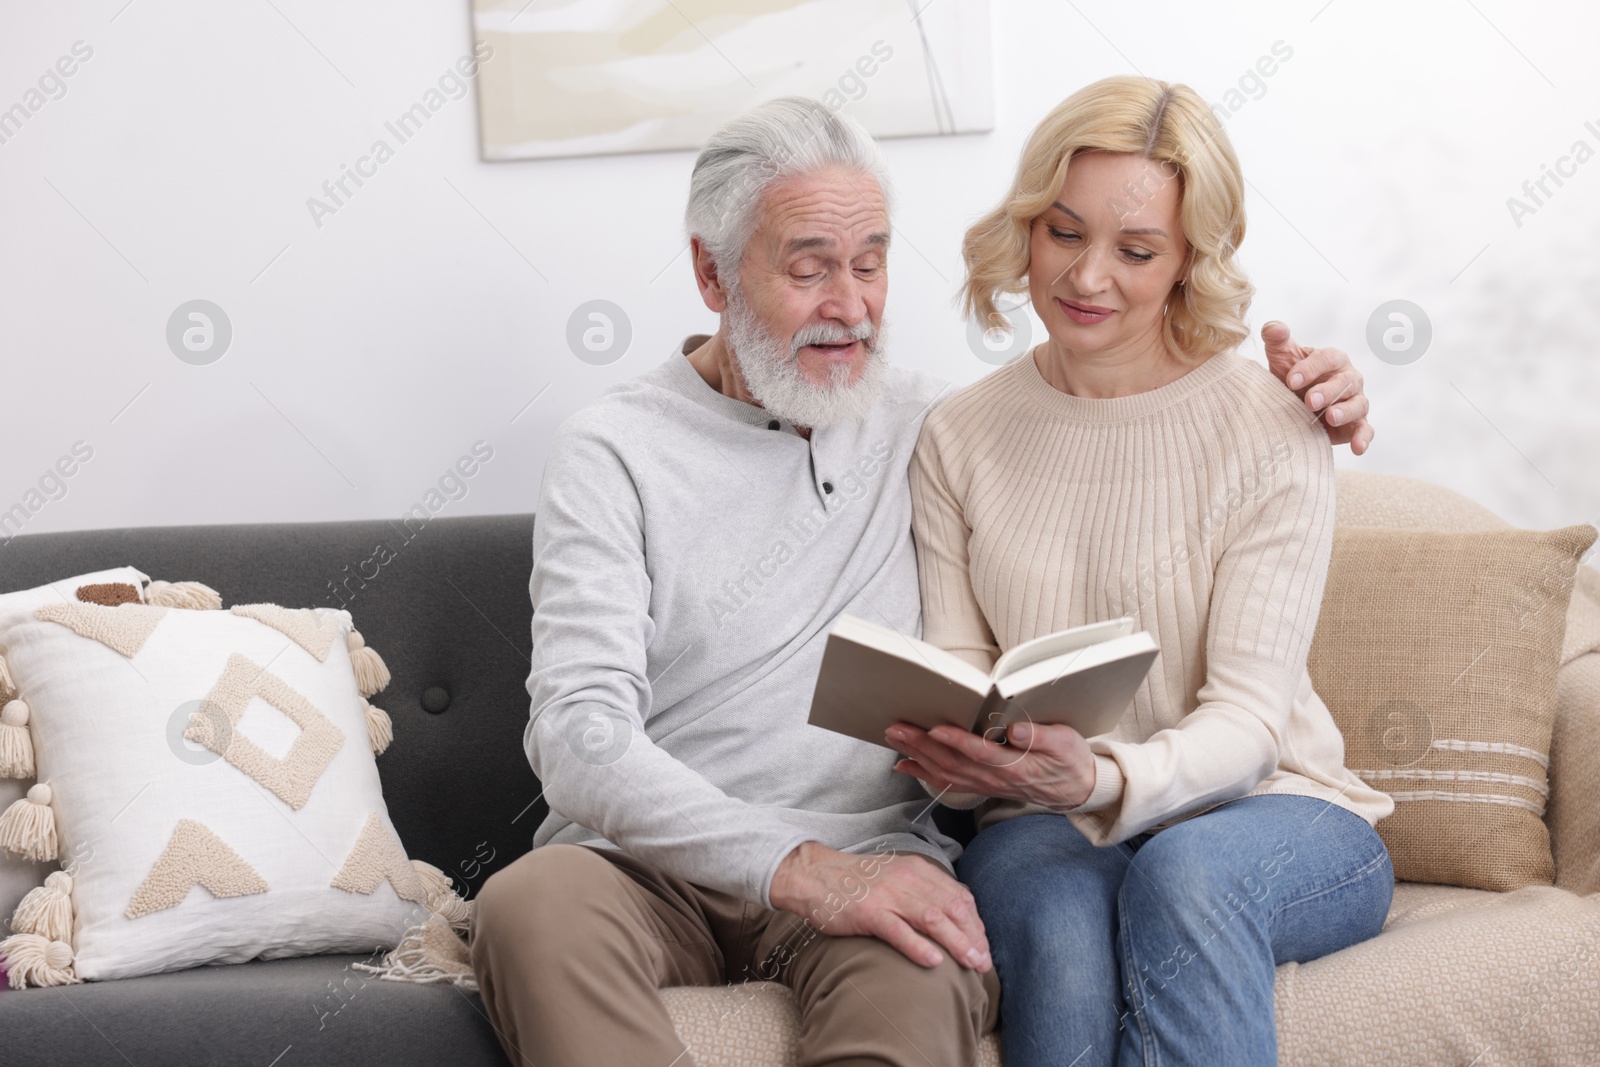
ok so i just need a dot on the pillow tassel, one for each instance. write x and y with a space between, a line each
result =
429 953
47 909
442 899
380 729
372 675
189 596
435 883
16 743
28 827
8 688
456 912
35 960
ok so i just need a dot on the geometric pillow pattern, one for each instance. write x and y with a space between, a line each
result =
376 857
214 777
313 631
124 628
215 727
194 857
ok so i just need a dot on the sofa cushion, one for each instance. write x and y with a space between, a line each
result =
305 1012
279 816
1437 653
1458 976
1397 502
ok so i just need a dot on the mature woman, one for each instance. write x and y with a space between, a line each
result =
1138 888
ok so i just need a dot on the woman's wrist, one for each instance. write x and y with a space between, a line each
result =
1105 787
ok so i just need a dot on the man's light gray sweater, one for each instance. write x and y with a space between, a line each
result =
688 563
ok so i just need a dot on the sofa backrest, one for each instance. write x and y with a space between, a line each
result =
445 604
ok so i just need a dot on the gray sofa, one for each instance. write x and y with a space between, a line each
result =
450 614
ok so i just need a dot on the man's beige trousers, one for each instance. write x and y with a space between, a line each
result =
572 944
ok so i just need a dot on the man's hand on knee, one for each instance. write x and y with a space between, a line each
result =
906 900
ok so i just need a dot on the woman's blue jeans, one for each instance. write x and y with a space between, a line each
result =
1161 950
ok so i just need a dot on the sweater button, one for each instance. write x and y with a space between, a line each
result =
773 425
827 487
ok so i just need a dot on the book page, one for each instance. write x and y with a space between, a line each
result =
861 692
1089 689
1050 645
921 653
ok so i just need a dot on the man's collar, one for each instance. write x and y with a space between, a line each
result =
691 385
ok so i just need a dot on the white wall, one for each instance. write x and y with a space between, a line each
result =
376 349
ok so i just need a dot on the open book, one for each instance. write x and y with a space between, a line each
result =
873 677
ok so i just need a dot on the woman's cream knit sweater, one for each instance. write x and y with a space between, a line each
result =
1203 508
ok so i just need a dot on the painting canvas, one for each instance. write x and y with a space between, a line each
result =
588 77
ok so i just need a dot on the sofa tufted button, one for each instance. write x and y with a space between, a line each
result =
435 699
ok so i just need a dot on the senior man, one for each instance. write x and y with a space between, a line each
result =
699 530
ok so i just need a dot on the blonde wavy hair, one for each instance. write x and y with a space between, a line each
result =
1163 122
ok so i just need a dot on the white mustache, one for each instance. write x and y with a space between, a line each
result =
827 333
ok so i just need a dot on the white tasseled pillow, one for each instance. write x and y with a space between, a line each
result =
207 776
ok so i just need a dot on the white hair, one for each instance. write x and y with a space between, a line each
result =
783 138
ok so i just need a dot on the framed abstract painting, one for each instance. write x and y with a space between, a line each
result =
594 77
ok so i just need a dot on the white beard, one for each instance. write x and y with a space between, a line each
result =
772 372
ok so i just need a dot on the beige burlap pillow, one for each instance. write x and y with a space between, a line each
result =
1437 655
